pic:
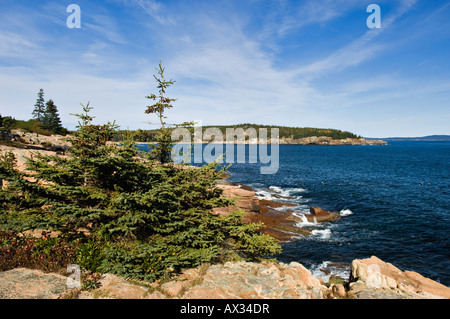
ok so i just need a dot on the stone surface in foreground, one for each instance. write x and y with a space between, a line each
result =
22 283
372 275
371 278
251 280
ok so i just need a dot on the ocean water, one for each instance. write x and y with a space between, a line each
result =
394 202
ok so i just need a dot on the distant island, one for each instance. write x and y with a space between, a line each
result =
287 135
423 138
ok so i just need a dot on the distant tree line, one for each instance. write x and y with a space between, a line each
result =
284 132
293 132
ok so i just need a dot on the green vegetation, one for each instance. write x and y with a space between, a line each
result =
44 253
120 211
161 151
32 126
7 123
46 121
51 120
45 113
116 209
39 107
284 132
293 132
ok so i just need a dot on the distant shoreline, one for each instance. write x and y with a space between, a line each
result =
430 138
312 140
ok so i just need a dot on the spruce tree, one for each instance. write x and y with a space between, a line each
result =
148 219
39 107
162 150
51 120
6 123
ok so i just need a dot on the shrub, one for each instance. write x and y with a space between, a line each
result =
132 217
45 253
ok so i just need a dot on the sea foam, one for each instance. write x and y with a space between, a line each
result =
327 269
345 212
276 192
322 233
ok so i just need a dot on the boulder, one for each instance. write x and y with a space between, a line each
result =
371 278
23 283
112 286
174 288
246 199
318 214
338 291
236 280
374 273
265 205
281 225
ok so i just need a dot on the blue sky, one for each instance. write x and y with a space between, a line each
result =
294 63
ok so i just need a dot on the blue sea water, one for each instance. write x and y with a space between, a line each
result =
394 201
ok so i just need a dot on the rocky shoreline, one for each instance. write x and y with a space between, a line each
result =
311 140
370 278
325 140
279 223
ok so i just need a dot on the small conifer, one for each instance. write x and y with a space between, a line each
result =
146 219
39 107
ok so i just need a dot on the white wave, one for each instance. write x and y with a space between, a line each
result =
317 271
291 192
327 269
261 194
345 212
276 189
304 221
297 190
302 209
322 233
286 208
279 194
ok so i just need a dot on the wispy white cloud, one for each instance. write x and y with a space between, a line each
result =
220 58
352 54
14 44
316 12
239 76
359 50
106 26
224 71
156 10
121 99
279 18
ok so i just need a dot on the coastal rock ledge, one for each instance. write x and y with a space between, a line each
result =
370 278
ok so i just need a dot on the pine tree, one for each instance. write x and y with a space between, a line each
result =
149 219
39 107
6 123
51 120
162 150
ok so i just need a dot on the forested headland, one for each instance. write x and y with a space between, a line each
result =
149 136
